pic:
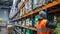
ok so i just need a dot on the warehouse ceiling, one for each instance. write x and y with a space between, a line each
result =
6 2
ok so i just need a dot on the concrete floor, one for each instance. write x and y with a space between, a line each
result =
4 31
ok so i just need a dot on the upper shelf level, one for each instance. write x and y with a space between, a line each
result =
40 8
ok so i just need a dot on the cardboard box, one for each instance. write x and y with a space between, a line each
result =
19 5
28 6
19 23
21 12
39 3
10 30
27 22
23 23
22 0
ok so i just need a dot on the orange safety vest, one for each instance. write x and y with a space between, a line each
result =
42 25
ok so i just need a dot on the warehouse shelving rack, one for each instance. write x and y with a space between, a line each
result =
31 28
39 9
23 4
35 11
17 31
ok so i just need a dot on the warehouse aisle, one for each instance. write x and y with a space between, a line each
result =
4 31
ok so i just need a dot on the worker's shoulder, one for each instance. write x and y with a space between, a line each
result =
45 20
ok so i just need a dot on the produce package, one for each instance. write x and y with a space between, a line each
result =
36 19
28 31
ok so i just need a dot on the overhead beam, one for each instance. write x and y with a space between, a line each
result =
55 10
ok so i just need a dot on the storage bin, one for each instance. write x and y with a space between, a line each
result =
28 31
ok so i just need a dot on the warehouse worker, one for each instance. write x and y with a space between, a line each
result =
43 25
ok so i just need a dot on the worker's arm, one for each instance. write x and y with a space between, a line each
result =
51 25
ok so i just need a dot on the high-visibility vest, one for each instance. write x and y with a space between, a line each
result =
41 27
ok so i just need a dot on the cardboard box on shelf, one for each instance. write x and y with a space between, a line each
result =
10 30
20 30
27 22
28 6
24 31
19 5
16 23
30 23
19 23
38 3
21 12
22 0
23 23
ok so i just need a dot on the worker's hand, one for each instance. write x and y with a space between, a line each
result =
51 30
